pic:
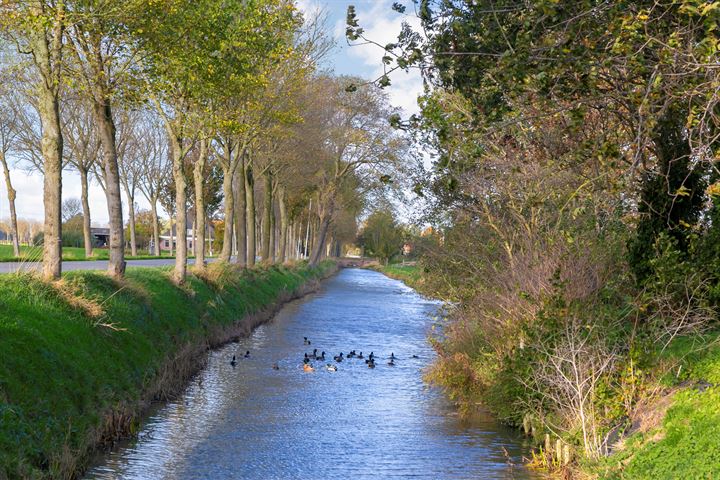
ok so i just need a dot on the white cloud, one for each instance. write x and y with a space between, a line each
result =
382 25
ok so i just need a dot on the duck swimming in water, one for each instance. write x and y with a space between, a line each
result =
415 356
322 356
331 368
391 362
233 362
306 341
371 363
339 358
275 366
247 354
361 355
392 356
308 368
351 354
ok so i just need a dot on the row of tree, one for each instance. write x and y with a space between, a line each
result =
176 98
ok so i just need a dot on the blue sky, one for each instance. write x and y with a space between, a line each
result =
380 22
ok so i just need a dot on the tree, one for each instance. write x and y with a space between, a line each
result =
130 150
8 134
84 146
71 208
381 236
360 146
155 167
38 28
99 42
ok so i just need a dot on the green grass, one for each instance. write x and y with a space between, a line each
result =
685 443
410 274
34 254
63 370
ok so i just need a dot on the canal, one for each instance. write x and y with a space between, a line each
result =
252 421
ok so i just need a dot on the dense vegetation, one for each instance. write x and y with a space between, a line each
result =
82 357
574 199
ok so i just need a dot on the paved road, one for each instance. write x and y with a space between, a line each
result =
10 267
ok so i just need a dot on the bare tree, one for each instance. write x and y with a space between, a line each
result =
569 375
130 152
8 135
155 167
71 207
82 154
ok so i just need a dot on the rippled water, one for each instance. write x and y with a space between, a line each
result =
251 421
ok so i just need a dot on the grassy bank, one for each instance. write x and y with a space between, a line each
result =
675 432
81 358
409 274
34 254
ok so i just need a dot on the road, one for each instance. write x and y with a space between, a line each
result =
11 267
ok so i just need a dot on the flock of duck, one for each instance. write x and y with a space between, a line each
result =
370 360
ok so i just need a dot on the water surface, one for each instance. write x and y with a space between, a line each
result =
253 422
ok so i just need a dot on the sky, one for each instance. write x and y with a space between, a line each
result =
380 23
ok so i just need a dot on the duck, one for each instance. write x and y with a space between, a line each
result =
371 356
308 368
247 354
415 356
306 341
351 354
306 359
371 364
233 362
314 354
331 368
361 355
391 362
275 366
322 356
392 356
339 358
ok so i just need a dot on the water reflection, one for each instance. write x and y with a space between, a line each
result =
251 421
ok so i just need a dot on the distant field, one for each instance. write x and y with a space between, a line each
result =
30 254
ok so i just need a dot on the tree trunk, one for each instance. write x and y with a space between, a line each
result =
106 130
226 252
156 228
11 194
267 215
172 236
240 214
131 225
321 238
198 178
87 234
46 43
283 225
250 215
51 145
180 272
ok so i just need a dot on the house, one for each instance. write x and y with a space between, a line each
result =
101 236
165 238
